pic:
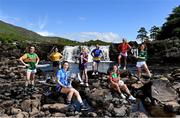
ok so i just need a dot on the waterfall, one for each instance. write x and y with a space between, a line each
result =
71 53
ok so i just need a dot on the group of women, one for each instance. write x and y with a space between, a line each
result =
64 78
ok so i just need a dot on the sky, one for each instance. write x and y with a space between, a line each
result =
83 20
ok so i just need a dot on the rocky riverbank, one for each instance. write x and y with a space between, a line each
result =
161 90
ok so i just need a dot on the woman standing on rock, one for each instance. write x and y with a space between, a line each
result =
141 62
55 57
97 54
117 84
30 60
123 48
83 65
64 84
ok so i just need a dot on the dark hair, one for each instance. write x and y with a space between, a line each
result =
28 48
63 64
145 47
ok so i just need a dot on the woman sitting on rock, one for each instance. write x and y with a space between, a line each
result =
117 84
64 85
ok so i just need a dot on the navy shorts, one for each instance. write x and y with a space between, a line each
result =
58 88
97 61
55 63
82 66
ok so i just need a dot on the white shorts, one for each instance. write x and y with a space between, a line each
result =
32 71
121 82
140 64
123 54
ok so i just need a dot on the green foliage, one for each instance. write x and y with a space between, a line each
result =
154 31
142 35
171 28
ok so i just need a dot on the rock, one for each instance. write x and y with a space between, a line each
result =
57 107
33 112
15 111
99 97
137 85
58 115
92 114
2 111
121 112
176 86
96 85
138 115
20 115
110 108
161 92
172 106
7 103
28 105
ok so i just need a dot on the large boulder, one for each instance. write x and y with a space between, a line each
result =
162 92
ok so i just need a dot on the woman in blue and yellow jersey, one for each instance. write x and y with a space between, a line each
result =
97 55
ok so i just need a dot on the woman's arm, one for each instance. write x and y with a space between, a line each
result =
21 60
37 60
58 80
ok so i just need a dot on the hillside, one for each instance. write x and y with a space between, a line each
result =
10 33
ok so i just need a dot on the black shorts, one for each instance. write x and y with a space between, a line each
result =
55 63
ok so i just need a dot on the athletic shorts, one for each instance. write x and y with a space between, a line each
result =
140 64
83 66
32 71
123 54
96 59
121 82
58 88
55 63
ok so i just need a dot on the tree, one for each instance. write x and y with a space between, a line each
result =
171 28
154 31
142 35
